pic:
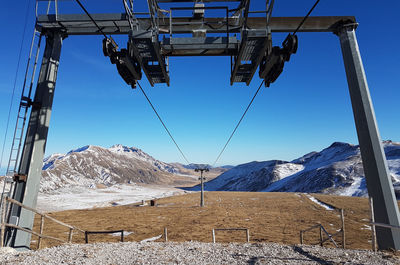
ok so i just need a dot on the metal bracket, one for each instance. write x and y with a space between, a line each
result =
344 25
29 103
20 177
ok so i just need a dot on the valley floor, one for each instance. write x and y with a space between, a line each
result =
80 197
270 217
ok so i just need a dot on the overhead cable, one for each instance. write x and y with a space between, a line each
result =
165 127
144 93
305 18
91 18
237 125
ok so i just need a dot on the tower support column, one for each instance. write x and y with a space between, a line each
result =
379 183
27 188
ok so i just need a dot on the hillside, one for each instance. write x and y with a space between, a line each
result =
336 169
93 165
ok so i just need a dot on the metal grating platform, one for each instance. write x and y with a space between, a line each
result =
146 50
252 49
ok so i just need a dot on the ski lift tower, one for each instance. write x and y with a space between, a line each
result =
189 28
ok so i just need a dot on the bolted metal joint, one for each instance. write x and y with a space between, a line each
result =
343 26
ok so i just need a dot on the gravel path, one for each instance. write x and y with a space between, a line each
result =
193 253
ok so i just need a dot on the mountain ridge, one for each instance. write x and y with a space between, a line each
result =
336 170
92 165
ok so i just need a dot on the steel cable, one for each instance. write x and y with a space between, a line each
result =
305 18
91 18
162 122
242 117
237 125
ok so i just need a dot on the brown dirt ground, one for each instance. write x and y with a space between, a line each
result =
270 217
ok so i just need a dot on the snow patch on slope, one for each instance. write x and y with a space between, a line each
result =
79 197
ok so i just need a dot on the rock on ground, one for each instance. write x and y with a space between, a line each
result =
194 253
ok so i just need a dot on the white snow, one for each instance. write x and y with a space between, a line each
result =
313 199
151 239
79 197
366 227
126 233
355 188
250 175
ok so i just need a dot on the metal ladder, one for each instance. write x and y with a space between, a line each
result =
24 105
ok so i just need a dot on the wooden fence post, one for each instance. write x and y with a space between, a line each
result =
41 231
122 235
86 237
70 235
301 237
320 236
373 229
165 234
248 235
343 229
213 235
3 221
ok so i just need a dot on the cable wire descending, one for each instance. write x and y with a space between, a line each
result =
15 83
305 18
246 110
144 93
91 18
165 127
237 125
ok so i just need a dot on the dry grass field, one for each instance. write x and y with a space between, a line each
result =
270 217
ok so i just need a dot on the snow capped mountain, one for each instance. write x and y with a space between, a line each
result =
334 170
194 166
252 176
93 165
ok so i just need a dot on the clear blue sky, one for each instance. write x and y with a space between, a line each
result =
307 109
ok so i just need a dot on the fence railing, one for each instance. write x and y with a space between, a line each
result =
231 229
4 224
323 231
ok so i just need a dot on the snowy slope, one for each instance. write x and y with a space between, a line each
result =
90 166
334 170
253 176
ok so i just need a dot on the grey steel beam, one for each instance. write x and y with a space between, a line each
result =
379 183
35 142
80 24
209 46
193 1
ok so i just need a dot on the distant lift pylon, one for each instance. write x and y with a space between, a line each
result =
153 39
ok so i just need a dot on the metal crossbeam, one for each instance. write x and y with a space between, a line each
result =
80 24
193 1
